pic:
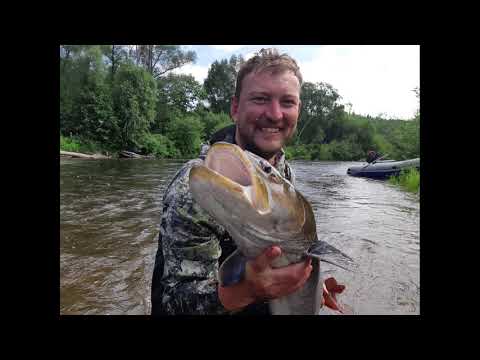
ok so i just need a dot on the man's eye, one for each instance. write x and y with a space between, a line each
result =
289 103
260 100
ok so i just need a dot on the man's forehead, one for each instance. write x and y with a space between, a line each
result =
257 81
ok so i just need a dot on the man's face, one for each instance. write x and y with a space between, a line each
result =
267 111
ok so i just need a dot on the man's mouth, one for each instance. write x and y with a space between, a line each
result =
270 130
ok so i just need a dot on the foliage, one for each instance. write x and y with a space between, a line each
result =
160 59
94 108
177 95
134 96
401 139
181 92
186 132
213 122
82 145
220 83
319 110
160 146
125 97
69 144
408 179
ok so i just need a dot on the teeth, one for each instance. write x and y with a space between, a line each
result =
271 130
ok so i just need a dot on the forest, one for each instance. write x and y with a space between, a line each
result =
128 97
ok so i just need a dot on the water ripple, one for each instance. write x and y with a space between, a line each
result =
109 220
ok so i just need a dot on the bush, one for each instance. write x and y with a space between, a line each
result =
186 133
339 150
90 146
297 152
408 179
309 152
82 145
69 144
214 122
134 104
325 153
160 146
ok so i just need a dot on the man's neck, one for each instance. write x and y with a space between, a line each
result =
270 157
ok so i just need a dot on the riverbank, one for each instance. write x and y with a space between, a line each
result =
408 180
86 147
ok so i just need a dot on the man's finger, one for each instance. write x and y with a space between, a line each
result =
293 272
283 289
263 260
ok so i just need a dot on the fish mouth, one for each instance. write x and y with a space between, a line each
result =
230 161
228 170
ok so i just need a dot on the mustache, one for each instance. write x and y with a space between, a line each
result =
267 121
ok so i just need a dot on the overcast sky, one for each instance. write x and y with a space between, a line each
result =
375 79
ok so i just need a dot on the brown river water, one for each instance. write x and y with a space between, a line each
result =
109 220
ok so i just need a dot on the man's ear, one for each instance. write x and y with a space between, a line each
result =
234 108
300 108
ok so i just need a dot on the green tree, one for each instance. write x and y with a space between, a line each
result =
82 73
134 97
220 83
160 146
160 59
97 120
186 132
116 54
213 122
177 94
182 92
320 115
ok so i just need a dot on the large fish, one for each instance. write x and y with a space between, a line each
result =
260 208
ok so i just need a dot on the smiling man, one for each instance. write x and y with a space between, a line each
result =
266 104
265 110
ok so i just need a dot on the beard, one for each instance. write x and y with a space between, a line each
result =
267 155
249 144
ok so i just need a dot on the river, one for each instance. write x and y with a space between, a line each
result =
109 220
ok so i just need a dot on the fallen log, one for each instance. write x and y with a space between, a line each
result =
129 154
83 156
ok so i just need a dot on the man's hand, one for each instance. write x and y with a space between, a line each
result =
264 282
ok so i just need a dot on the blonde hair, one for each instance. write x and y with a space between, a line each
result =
267 60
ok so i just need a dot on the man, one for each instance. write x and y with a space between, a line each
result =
265 110
372 156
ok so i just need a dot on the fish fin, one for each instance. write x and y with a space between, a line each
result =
320 258
323 248
232 269
326 252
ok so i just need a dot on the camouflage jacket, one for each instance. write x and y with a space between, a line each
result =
191 246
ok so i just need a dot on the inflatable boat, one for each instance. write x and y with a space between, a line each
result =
382 169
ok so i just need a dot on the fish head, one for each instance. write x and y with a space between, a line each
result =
251 199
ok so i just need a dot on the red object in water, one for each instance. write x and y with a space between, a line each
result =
330 289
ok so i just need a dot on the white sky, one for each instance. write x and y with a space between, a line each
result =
375 79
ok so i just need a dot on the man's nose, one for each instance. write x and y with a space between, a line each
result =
274 110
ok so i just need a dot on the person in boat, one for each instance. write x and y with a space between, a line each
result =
372 156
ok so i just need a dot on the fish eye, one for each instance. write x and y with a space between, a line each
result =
265 167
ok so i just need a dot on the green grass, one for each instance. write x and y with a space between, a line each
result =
408 179
83 146
69 144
